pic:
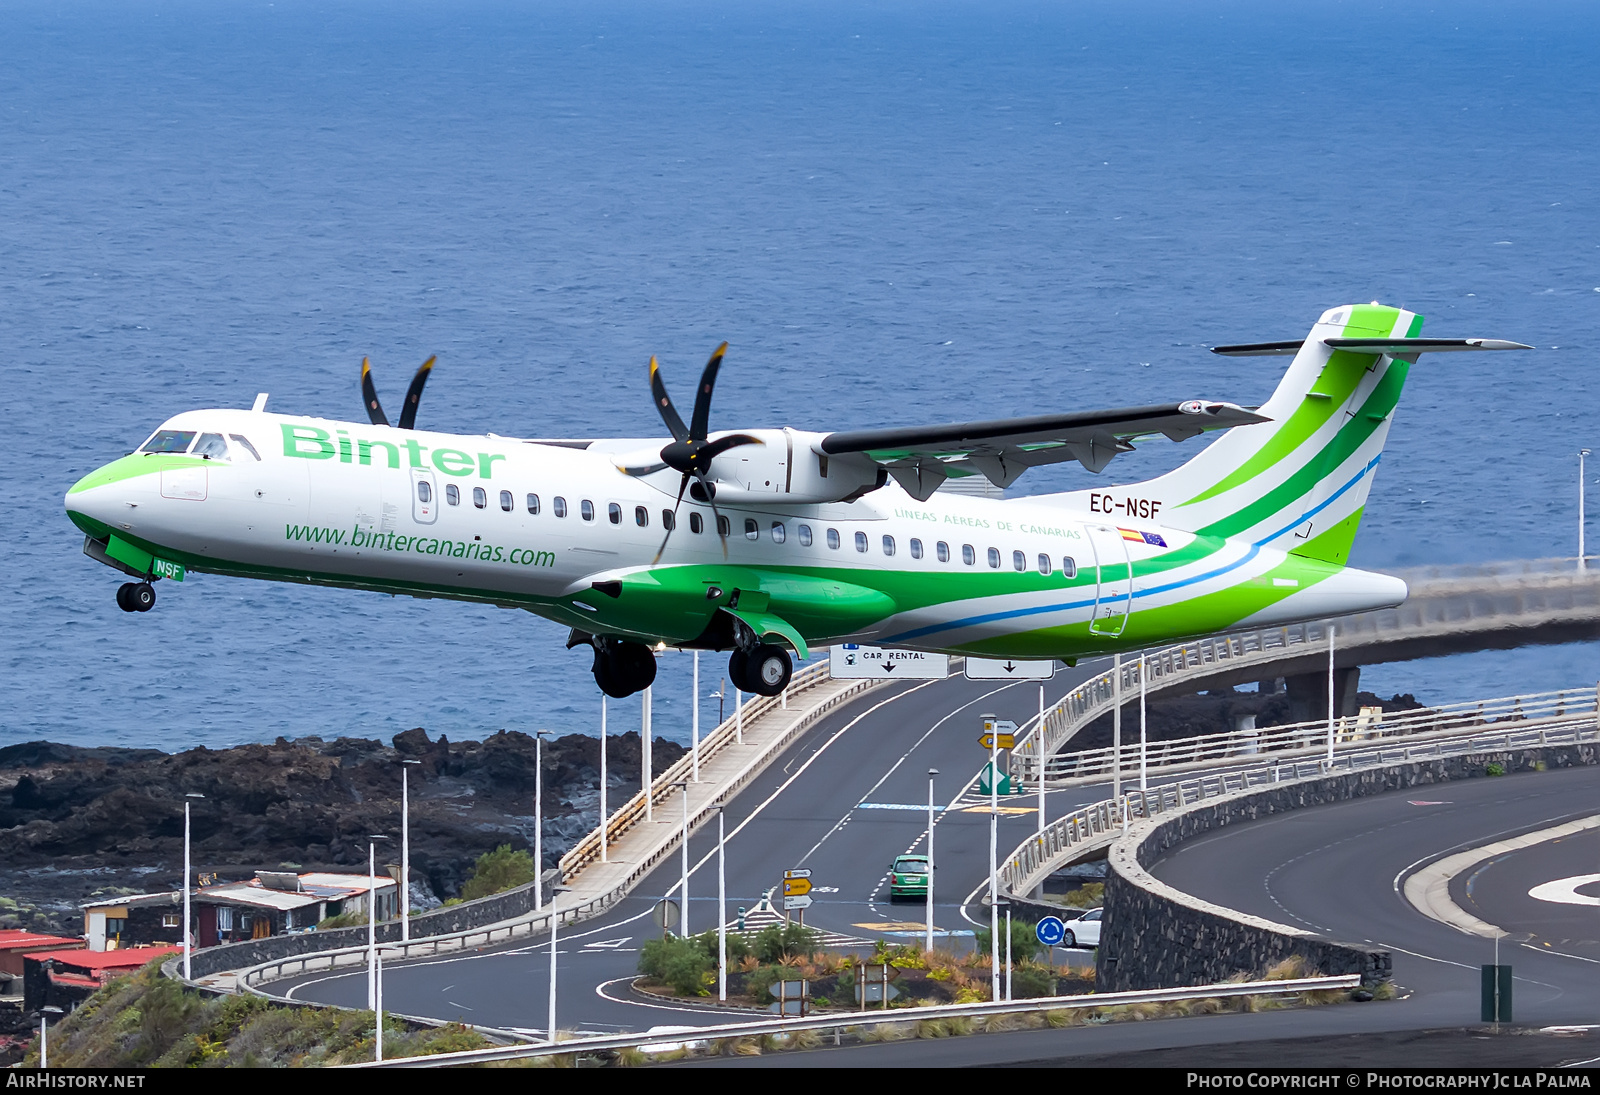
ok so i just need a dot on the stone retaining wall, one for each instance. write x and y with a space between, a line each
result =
443 921
1154 936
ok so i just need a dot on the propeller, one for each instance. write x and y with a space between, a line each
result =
689 452
408 410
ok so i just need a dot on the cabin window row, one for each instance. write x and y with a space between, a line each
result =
778 531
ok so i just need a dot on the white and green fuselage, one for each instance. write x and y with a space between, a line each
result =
1255 530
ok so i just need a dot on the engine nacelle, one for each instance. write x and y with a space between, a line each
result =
789 467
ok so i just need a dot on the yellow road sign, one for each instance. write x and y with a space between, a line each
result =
1007 741
796 887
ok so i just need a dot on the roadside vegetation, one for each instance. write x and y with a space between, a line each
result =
147 1021
496 872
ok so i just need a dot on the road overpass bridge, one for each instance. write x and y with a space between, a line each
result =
1451 610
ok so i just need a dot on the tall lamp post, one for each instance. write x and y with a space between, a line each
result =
683 856
187 799
722 907
994 865
555 921
372 920
931 773
44 1033
605 818
1583 454
405 849
538 818
694 721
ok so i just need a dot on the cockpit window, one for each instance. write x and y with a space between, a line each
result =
211 446
169 441
245 441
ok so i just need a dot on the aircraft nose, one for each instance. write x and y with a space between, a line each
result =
102 499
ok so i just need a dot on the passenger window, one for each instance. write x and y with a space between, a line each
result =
586 510
968 556
696 524
833 539
212 447
480 497
560 506
168 441
424 492
805 535
888 545
916 548
641 516
723 527
507 502
614 512
943 550
752 529
1019 562
779 533
669 520
533 504
1044 563
861 541
245 441
452 494
1069 568
994 558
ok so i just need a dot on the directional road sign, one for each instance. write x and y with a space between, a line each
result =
802 901
798 873
1007 741
1009 669
855 661
796 887
872 992
1051 931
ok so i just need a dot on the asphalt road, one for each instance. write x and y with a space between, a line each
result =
844 800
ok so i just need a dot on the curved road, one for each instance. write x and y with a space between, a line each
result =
844 800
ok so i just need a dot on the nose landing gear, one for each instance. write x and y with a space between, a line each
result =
136 597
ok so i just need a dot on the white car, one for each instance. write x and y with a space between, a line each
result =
1083 931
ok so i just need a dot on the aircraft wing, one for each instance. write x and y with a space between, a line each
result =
922 457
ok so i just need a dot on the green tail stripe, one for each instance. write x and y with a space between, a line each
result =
1379 405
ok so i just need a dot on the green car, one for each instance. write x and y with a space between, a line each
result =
908 878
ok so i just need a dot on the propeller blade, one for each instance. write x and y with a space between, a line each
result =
369 395
683 486
714 449
643 469
669 413
408 413
711 499
700 421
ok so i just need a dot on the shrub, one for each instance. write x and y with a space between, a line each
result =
1087 896
498 871
776 942
1494 770
1024 943
1030 981
681 963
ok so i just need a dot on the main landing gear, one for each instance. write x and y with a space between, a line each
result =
136 597
764 670
622 668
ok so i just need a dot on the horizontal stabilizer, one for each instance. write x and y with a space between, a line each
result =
1392 346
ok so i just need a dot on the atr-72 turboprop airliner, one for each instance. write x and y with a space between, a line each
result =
764 541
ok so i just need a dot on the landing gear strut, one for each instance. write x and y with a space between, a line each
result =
764 670
136 597
622 668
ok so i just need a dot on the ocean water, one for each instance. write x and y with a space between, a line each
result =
896 213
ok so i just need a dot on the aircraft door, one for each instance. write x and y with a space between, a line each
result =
424 497
1113 594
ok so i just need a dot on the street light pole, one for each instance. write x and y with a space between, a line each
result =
372 920
187 799
605 819
555 922
1329 626
1116 728
1144 743
1038 752
931 773
694 721
683 857
44 1033
648 777
1583 563
722 909
538 819
994 876
405 849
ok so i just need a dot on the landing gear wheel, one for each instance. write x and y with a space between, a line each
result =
125 597
765 670
621 668
143 597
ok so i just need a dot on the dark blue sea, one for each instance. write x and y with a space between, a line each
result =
896 213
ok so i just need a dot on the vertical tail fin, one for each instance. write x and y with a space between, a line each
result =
1299 482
